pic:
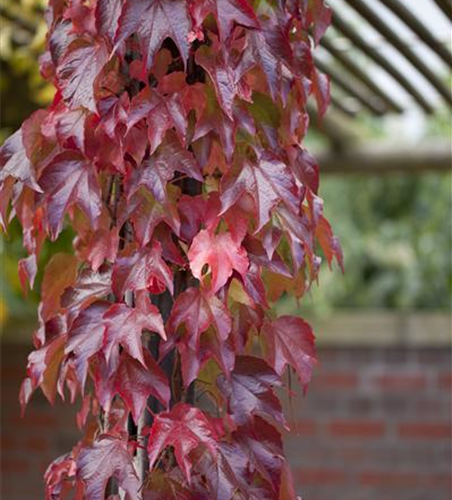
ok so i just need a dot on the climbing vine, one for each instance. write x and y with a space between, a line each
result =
173 148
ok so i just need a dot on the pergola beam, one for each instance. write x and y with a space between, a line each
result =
368 101
446 7
421 31
358 73
375 20
365 47
343 108
380 159
340 130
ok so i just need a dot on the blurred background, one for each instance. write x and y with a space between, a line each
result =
376 422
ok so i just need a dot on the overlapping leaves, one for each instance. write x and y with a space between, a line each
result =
174 149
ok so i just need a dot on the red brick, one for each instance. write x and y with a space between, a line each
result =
389 479
357 428
303 427
8 443
439 481
353 454
401 382
337 380
36 443
320 476
11 465
33 418
424 430
12 373
445 381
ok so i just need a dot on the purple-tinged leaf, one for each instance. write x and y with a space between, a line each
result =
107 457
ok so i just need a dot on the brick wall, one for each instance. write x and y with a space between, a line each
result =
375 425
29 444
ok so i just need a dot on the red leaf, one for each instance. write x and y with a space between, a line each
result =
329 243
70 126
320 13
290 341
124 325
82 17
70 178
249 391
108 457
226 12
78 70
168 485
321 89
268 182
214 120
221 253
254 286
184 428
153 21
262 444
198 312
300 232
89 287
42 369
155 173
85 338
83 413
135 383
161 113
225 78
27 272
305 168
107 14
142 270
59 476
146 214
15 163
226 474
196 213
103 245
60 273
271 50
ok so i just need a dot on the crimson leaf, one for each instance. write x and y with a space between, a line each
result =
198 312
249 390
70 178
153 21
185 428
85 338
135 383
290 341
124 324
221 253
142 270
227 13
78 70
107 457
268 182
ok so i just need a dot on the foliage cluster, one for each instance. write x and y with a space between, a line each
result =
173 150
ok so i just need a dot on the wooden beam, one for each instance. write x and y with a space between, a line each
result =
380 159
373 104
18 21
421 31
343 108
357 72
340 130
369 51
375 20
446 7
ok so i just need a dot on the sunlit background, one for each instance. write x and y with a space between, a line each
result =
375 424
